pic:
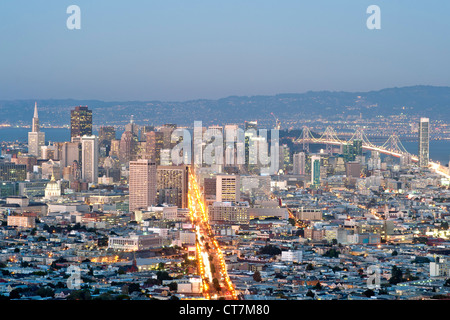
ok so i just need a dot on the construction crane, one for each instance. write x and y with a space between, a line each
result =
277 122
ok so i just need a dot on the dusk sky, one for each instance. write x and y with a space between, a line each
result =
180 50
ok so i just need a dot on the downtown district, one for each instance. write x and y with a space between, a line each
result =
101 218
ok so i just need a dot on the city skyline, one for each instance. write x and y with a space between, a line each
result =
218 155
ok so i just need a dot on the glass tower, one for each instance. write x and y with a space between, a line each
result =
80 122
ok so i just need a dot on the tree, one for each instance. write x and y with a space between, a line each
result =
104 296
334 242
318 286
336 268
173 286
270 250
257 276
310 294
409 276
421 260
396 275
83 294
15 293
447 283
394 253
163 275
132 287
369 293
309 267
45 292
332 253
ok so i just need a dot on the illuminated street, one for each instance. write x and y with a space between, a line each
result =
211 263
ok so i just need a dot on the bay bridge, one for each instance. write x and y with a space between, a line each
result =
393 146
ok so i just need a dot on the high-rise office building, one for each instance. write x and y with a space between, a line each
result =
142 184
284 157
36 138
424 142
70 152
128 147
105 135
132 127
26 159
12 172
353 169
228 188
167 130
89 158
80 121
172 185
315 171
352 150
299 163
143 132
153 145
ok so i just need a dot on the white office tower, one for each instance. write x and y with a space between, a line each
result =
424 142
36 138
299 163
89 158
142 184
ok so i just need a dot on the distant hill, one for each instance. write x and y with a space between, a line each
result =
428 101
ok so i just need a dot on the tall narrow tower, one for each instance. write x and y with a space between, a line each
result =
424 142
35 125
36 138
142 184
315 171
89 158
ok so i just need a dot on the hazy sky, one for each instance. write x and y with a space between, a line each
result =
189 49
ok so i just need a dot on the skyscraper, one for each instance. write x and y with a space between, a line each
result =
315 171
128 147
142 184
89 158
153 145
70 152
132 127
80 121
105 135
143 132
167 130
36 138
424 142
172 185
299 163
